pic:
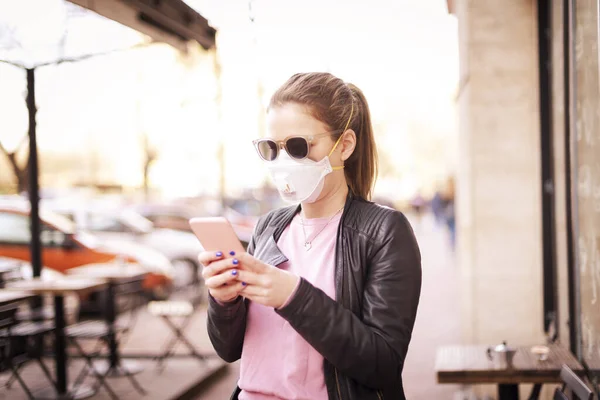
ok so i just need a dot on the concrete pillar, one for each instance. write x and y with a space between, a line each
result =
498 196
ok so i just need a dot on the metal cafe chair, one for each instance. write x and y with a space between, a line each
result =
169 311
20 344
572 384
99 332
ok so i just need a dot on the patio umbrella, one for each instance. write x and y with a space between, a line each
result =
38 33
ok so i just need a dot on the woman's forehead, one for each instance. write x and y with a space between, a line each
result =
292 119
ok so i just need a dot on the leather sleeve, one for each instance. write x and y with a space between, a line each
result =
372 350
226 323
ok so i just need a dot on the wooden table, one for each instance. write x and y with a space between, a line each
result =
58 289
114 274
471 365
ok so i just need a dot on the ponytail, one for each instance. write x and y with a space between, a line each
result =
361 167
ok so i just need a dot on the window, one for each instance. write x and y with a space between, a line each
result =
104 223
14 228
51 237
69 216
170 221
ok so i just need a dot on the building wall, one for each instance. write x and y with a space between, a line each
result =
499 199
499 176
499 202
483 58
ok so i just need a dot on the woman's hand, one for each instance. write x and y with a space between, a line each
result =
220 275
265 284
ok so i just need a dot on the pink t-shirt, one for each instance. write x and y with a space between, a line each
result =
277 363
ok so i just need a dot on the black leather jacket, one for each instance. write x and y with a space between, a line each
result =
364 333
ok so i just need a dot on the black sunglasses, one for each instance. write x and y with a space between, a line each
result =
297 147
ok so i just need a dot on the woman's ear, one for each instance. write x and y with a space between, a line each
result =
347 144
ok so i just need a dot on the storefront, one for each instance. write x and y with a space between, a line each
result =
569 90
528 198
573 101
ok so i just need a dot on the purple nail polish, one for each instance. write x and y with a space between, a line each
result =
243 283
235 261
234 272
219 254
232 253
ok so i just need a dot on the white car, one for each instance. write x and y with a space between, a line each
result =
176 216
123 227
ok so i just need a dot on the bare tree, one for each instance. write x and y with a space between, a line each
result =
20 170
150 156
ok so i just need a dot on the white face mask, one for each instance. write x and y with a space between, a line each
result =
300 181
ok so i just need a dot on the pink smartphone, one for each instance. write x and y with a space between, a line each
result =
216 234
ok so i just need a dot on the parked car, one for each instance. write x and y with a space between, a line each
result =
177 216
168 216
128 227
64 247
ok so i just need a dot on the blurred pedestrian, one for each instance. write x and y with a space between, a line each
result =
418 205
448 200
437 207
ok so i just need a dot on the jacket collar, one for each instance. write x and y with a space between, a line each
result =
289 213
269 252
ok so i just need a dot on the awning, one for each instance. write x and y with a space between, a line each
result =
168 21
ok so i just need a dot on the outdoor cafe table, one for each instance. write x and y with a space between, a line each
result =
114 275
471 365
59 288
11 296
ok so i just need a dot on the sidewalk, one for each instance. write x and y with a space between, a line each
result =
438 319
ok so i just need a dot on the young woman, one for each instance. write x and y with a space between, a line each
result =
323 304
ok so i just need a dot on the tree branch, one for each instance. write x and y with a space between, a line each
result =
3 149
21 143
